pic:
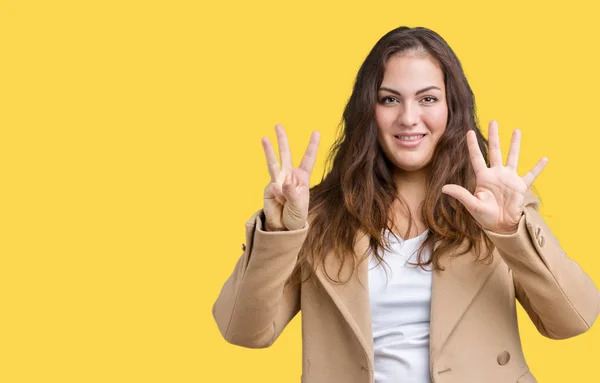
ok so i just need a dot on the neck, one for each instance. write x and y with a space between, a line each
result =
411 188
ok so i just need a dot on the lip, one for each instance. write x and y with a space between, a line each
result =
412 143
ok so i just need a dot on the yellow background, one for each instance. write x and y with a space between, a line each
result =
130 159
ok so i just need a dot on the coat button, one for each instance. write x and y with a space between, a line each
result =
541 241
503 358
243 247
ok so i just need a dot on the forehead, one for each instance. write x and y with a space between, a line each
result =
411 71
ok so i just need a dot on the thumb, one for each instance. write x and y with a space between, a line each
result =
289 187
463 195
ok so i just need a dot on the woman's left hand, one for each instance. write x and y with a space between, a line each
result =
499 197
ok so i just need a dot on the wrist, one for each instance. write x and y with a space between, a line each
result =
506 231
268 226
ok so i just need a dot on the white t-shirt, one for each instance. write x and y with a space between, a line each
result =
400 311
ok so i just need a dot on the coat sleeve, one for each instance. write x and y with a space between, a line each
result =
256 302
559 297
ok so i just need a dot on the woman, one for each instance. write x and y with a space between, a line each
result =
407 263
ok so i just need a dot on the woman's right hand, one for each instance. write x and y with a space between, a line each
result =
287 195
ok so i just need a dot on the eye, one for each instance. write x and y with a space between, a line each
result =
387 100
429 99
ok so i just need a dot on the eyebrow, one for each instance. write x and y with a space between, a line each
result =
418 92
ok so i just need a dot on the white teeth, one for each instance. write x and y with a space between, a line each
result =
411 138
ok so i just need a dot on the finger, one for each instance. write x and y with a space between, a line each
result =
477 159
281 177
289 187
273 192
512 161
278 194
495 152
531 175
284 148
310 156
272 163
463 196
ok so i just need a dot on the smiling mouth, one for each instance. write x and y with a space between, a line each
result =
410 138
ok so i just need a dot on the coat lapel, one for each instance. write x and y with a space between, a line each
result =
453 290
352 297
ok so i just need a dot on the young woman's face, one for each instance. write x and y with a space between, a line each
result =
411 110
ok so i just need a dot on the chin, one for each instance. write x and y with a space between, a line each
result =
410 166
410 169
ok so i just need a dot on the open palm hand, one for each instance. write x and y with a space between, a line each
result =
498 201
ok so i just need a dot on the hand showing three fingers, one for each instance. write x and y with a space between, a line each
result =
286 199
499 197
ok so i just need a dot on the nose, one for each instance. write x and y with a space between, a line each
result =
409 115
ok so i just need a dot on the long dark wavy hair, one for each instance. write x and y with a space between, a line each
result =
357 190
